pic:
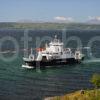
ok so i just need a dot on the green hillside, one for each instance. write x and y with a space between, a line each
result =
13 25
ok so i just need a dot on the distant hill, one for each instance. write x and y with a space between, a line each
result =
47 25
25 21
94 21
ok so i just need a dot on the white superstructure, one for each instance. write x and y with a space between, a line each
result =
56 50
54 53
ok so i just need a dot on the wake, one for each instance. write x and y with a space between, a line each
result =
92 60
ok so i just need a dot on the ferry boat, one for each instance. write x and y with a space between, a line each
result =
53 54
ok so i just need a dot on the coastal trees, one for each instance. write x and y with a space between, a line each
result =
95 80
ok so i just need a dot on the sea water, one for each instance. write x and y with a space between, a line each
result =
17 83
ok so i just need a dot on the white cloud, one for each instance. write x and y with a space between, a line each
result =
66 19
94 18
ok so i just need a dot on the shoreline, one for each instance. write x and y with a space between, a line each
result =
78 95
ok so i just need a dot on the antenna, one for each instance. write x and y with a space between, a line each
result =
31 51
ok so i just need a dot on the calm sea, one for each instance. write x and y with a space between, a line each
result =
17 83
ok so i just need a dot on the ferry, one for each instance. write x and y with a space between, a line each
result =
52 54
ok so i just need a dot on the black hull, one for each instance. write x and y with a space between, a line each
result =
52 62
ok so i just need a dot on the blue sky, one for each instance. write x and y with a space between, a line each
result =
48 10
